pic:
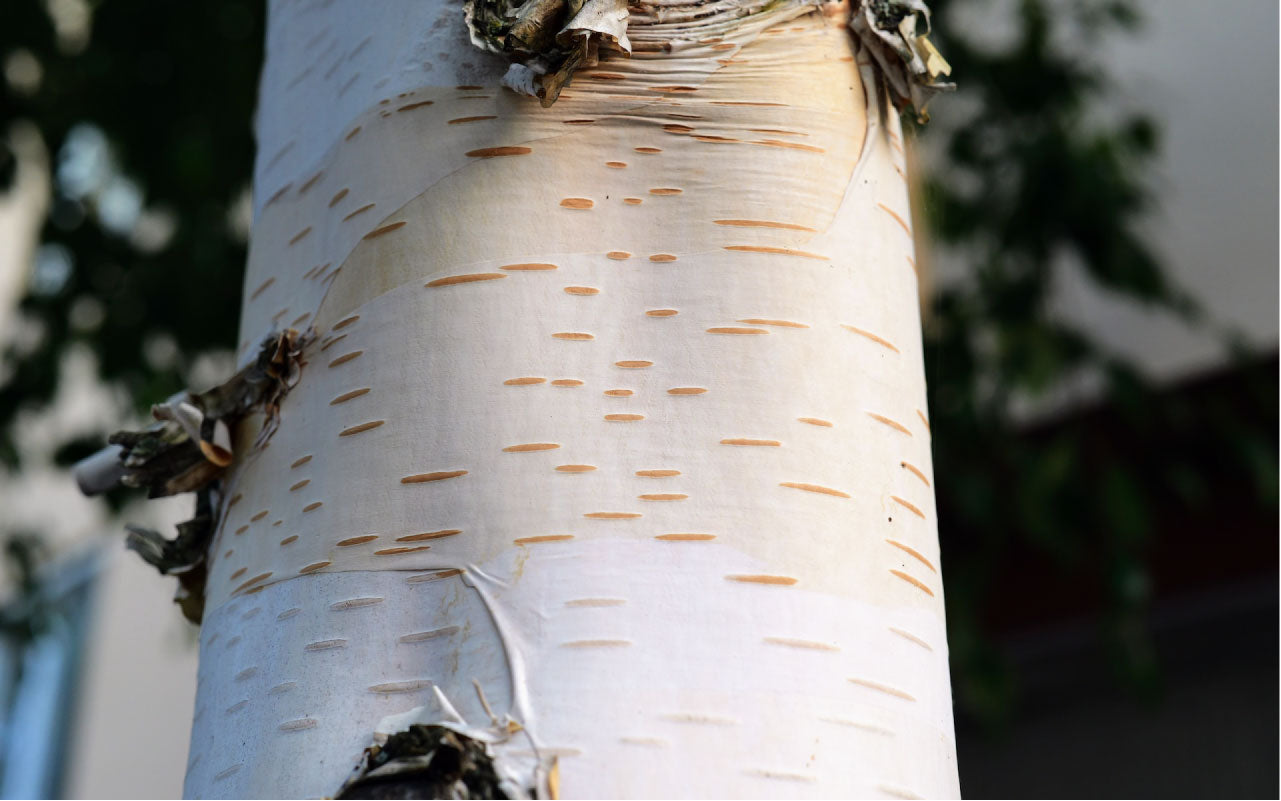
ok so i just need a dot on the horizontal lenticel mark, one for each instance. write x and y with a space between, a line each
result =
430 535
543 538
289 540
913 553
347 432
299 462
771 321
464 279
339 195
612 515
776 251
595 602
661 313
313 506
346 321
300 485
262 288
792 642
419 104
463 120
528 267
360 210
785 581
577 203
912 638
495 152
814 488
882 688
686 391
762 223
624 418
413 685
574 335
346 357
665 190
581 290
915 582
567 382
663 496
346 396
729 329
386 229
791 145
350 541
910 507
871 336
657 473
634 364
617 165
575 468
662 257
619 393
438 575
439 475
685 537
747 441
897 426
649 151
915 471
619 255
816 421
423 636
355 603
400 550
298 725
531 446
314 567
902 223
524 381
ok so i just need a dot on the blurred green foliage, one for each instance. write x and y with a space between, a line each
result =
1034 176
1045 173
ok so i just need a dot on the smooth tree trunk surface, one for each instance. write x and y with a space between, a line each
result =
616 412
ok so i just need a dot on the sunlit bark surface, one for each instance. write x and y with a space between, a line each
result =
616 410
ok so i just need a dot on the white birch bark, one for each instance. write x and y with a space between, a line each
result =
617 410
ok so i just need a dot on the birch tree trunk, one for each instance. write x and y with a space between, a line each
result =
612 448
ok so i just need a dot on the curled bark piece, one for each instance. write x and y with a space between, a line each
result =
426 761
187 450
190 445
183 556
914 69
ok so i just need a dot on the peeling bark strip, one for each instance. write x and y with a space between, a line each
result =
601 413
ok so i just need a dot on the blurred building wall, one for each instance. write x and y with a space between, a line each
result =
138 687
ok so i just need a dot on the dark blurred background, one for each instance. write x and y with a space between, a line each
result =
1097 209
